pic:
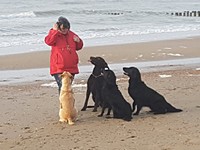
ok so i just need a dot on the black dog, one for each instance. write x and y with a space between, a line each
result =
113 99
145 96
95 83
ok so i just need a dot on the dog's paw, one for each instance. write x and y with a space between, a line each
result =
62 120
109 117
100 115
70 122
83 109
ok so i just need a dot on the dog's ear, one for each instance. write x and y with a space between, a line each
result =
135 73
61 75
69 74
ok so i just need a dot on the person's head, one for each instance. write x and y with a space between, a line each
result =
63 24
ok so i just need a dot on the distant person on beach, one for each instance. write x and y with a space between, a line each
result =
64 44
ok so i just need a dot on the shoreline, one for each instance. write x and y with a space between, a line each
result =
135 52
8 77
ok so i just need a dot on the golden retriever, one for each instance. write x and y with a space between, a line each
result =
67 112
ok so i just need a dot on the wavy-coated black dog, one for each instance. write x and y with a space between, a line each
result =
113 98
95 83
144 95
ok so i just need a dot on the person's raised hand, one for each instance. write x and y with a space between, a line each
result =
55 26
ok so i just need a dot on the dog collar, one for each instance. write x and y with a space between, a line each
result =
97 75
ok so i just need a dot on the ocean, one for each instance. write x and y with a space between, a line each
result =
24 24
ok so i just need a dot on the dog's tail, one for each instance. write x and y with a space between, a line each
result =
172 109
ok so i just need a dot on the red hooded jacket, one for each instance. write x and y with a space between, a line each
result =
63 52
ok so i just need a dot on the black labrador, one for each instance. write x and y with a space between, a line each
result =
144 95
95 83
113 98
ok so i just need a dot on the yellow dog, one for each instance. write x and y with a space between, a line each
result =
67 112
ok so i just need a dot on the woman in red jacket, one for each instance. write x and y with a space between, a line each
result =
64 44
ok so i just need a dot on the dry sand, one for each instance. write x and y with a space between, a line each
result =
147 51
29 111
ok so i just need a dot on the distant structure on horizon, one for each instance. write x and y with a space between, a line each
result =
186 13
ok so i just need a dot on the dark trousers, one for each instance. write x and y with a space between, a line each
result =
58 81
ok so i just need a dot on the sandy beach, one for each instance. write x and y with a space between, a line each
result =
29 111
